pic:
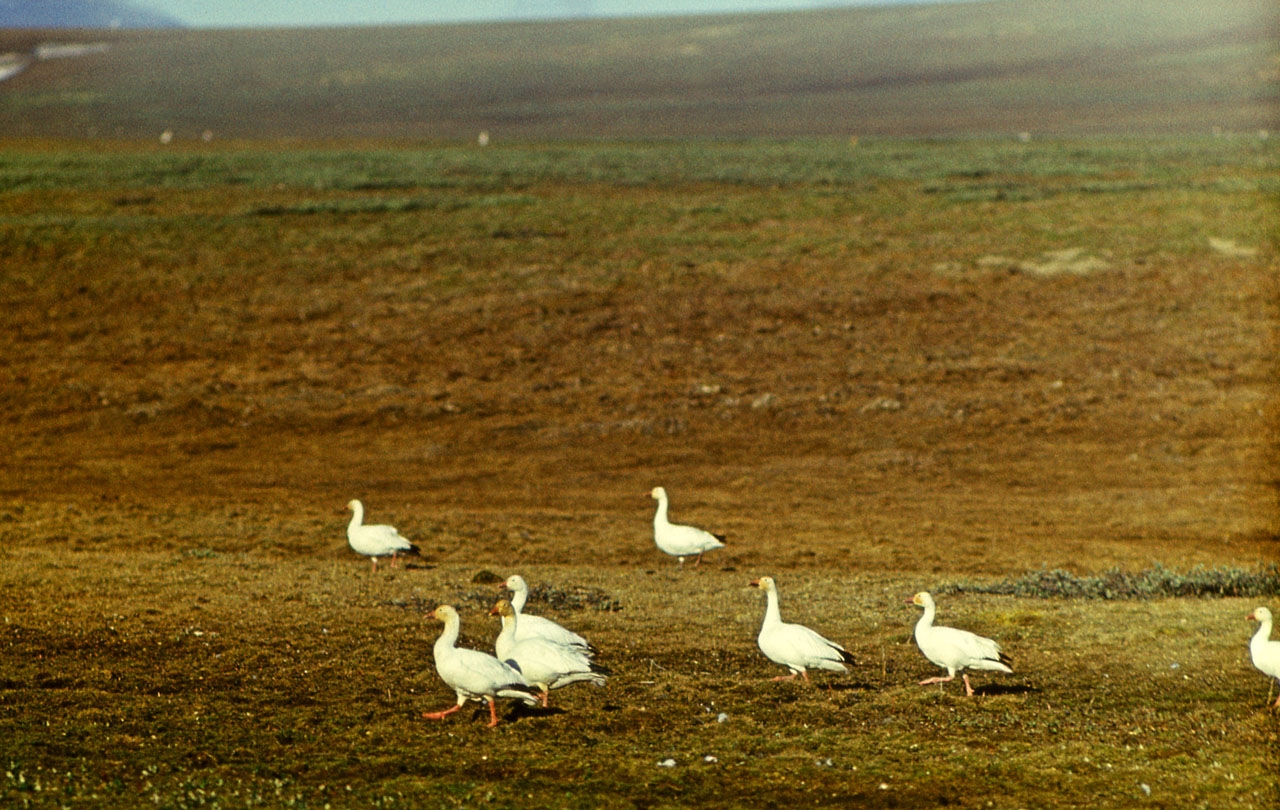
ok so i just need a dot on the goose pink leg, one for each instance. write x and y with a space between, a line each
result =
443 714
968 689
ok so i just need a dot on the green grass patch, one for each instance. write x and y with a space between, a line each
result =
1112 165
1156 582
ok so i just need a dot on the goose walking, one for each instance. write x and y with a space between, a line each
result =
678 540
538 626
376 540
793 645
474 675
545 664
954 650
1265 652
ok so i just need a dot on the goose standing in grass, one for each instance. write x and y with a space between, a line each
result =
475 675
545 664
376 540
793 645
537 626
1265 652
677 540
954 650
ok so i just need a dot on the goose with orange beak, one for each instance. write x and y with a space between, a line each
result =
954 650
795 646
677 539
1265 652
375 540
475 675
531 626
544 664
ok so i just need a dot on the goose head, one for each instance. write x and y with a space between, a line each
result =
657 493
1260 614
922 599
502 608
515 582
765 584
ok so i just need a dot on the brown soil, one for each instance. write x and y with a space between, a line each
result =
982 417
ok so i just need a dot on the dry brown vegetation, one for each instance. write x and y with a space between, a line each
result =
878 369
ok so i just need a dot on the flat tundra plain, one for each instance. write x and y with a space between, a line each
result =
878 368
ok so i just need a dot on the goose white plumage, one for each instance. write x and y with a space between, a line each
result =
1265 652
793 645
475 675
545 664
954 650
676 539
375 540
538 626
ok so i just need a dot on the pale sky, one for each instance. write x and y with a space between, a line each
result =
288 13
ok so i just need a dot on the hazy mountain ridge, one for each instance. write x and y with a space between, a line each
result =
80 14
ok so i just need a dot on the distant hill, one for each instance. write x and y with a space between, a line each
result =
79 14
1046 67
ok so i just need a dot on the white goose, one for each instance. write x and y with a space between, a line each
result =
545 664
474 675
678 540
1265 652
954 650
376 540
793 645
537 626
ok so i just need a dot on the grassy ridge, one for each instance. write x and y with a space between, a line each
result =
998 67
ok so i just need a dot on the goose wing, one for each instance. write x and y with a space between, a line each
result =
798 647
377 540
476 674
553 665
531 627
959 649
679 540
1266 657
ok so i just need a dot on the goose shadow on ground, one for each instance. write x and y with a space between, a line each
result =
992 689
520 712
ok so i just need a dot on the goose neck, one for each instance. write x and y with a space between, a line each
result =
1264 632
772 613
926 620
660 516
448 636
